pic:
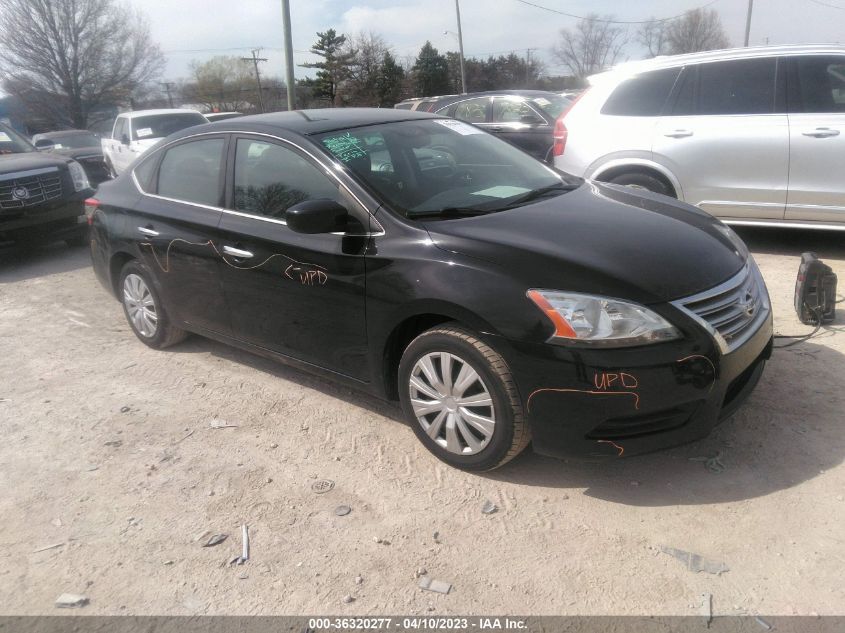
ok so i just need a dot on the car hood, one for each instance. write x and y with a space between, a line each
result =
10 163
602 239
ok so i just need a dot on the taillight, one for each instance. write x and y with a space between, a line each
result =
561 132
91 205
560 135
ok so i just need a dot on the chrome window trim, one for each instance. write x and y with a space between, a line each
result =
29 172
376 233
749 268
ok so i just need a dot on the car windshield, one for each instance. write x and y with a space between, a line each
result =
74 141
13 143
161 125
553 105
442 168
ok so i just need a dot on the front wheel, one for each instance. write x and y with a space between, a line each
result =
143 308
461 399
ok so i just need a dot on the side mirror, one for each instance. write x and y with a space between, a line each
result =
124 139
44 144
316 216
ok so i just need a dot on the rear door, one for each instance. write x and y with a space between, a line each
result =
726 138
816 85
514 120
120 150
175 225
296 294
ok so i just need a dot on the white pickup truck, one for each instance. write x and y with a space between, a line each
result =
135 132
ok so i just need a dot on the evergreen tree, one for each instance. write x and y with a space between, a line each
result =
389 81
334 68
431 72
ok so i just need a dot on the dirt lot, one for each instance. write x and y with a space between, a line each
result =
108 450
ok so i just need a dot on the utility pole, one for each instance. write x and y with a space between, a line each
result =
167 85
255 59
461 47
289 80
748 21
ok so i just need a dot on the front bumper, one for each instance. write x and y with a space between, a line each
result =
53 220
615 402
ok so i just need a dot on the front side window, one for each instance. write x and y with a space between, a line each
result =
821 85
742 86
119 129
442 168
191 172
270 178
161 125
643 95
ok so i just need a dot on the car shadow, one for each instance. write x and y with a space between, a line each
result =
789 431
19 263
793 242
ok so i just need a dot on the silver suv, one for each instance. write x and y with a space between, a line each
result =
752 135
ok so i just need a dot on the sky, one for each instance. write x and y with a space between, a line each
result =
190 30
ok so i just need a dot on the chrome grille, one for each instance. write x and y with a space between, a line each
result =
28 189
733 311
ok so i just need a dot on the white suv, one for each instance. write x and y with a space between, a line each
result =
752 135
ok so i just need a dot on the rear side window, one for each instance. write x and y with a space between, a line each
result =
820 85
643 95
472 110
191 172
742 86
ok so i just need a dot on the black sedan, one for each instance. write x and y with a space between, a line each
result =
81 145
424 260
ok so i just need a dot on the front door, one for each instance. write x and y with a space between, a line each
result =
817 138
175 229
726 138
296 294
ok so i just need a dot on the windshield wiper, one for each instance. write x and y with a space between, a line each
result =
539 193
447 212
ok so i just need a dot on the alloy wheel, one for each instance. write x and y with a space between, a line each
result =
140 305
452 403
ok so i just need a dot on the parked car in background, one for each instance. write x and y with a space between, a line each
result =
41 194
525 118
135 132
754 136
498 300
83 146
221 116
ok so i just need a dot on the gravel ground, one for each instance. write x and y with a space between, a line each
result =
109 451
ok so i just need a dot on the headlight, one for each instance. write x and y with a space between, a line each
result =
77 173
600 321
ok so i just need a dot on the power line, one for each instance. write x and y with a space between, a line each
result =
608 21
825 4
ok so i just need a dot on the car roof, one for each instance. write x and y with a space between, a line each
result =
62 133
671 61
138 113
308 122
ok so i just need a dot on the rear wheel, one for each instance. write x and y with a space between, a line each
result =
641 180
143 308
461 399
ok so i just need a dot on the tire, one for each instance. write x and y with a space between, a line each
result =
456 434
640 180
136 286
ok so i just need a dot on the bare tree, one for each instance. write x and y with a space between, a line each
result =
593 45
697 30
367 50
223 83
68 57
652 35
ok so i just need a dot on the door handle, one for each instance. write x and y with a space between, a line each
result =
678 133
236 252
821 132
146 231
